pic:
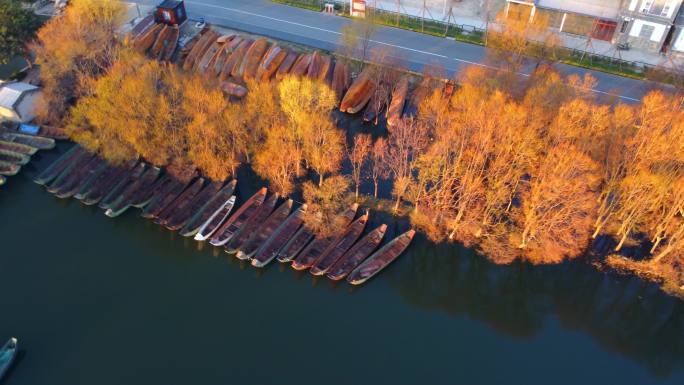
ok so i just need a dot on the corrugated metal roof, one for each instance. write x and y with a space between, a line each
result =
10 93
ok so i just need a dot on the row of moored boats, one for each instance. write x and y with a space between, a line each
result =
265 227
16 150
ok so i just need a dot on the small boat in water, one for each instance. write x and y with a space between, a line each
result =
295 245
56 168
135 193
39 142
185 212
17 147
252 224
105 183
214 222
7 355
381 258
357 254
128 178
165 193
9 169
214 204
264 231
14 157
336 250
315 249
269 249
180 202
72 172
230 227
79 177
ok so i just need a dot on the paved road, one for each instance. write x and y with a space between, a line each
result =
415 49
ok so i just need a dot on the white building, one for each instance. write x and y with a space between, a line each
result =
16 101
649 24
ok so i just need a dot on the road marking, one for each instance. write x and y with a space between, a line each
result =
386 44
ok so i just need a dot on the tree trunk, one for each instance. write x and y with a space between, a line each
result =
396 204
320 180
356 192
622 241
661 255
375 189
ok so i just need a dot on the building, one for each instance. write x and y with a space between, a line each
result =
587 18
16 101
171 12
650 24
677 46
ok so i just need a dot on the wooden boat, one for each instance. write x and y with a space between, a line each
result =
9 169
128 178
228 49
320 66
376 104
358 94
252 224
193 47
264 231
295 245
285 67
205 212
167 191
253 58
39 142
233 224
199 49
144 24
421 92
90 180
183 214
180 202
269 249
239 67
232 89
158 45
78 177
105 183
319 245
7 355
135 193
341 79
14 157
234 60
215 220
17 147
396 107
357 254
144 41
381 258
211 40
224 38
73 169
336 250
59 165
189 45
301 66
145 191
209 57
170 44
272 61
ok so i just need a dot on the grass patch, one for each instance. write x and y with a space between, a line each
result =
312 5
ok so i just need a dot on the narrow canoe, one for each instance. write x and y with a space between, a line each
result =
39 142
335 251
376 104
228 50
205 212
215 220
295 245
56 167
234 59
9 169
318 246
14 157
252 224
233 224
119 187
170 44
209 57
381 258
396 107
233 89
417 96
253 58
320 66
341 79
358 94
200 49
357 254
286 65
144 41
142 26
79 177
167 191
158 44
301 66
90 180
264 231
272 60
17 147
180 202
105 183
145 191
193 48
160 186
184 213
269 249
134 192
73 171
239 67
7 356
188 46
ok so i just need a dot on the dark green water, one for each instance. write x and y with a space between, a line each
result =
118 301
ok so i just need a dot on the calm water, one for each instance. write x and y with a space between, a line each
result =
118 301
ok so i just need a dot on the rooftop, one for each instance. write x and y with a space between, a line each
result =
11 92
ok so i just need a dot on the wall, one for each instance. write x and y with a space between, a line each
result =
658 31
678 44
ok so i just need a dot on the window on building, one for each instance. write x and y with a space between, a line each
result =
646 6
666 8
624 26
604 29
646 31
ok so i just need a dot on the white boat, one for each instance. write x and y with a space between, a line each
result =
7 355
215 220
